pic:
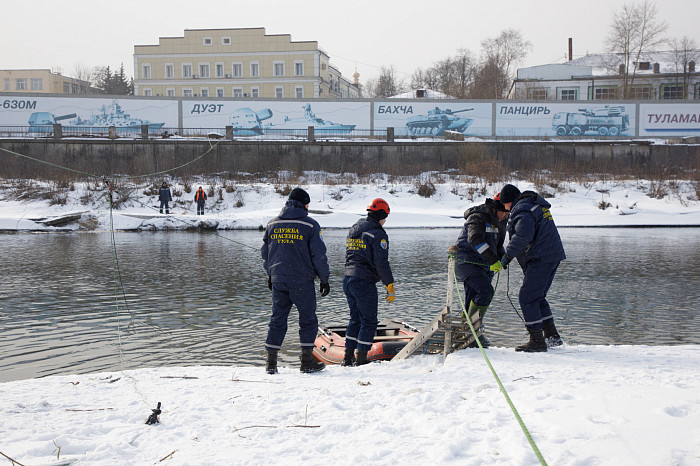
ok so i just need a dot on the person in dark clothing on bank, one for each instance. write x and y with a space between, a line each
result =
534 241
165 197
294 254
477 256
366 263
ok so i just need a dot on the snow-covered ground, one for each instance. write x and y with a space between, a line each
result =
583 405
249 206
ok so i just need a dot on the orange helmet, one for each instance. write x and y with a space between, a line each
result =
378 204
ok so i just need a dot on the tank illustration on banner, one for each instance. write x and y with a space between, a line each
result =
247 122
437 121
320 125
608 120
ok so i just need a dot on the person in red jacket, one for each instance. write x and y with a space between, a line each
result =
200 197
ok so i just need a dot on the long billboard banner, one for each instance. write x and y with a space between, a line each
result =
410 118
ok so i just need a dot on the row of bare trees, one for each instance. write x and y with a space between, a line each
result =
635 30
464 75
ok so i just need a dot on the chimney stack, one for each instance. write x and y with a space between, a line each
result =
571 48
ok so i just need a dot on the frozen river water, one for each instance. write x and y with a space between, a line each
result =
202 298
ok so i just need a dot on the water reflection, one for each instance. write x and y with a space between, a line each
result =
202 298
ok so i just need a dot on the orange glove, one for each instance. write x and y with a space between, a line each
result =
390 293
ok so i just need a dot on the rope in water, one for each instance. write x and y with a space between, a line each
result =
535 449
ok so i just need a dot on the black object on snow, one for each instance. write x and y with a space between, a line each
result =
153 418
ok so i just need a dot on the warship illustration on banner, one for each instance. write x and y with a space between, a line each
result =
437 121
320 125
247 122
113 115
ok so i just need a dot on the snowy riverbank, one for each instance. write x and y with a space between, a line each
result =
583 405
43 206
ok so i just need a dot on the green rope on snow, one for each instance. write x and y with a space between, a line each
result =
498 380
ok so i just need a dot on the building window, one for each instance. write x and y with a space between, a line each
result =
20 84
238 92
568 94
254 70
37 84
146 71
219 91
7 84
237 70
207 41
605 93
225 41
278 69
66 88
169 71
697 91
219 67
170 92
186 70
298 68
279 92
187 93
204 92
204 70
640 93
254 92
299 92
537 93
74 88
671 91
147 92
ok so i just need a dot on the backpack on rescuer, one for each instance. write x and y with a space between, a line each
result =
378 204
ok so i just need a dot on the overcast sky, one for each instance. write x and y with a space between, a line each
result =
360 34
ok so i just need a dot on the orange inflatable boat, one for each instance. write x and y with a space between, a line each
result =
390 338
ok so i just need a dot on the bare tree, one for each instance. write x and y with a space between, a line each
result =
85 74
635 30
504 51
387 84
685 52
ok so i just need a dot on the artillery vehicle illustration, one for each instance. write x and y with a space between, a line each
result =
247 122
42 122
608 120
437 121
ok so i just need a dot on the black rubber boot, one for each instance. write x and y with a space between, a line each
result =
349 359
361 358
551 336
536 343
309 363
271 365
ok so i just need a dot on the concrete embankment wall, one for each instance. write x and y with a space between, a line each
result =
120 157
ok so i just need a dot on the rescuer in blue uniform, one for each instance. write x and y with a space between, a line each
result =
164 196
477 255
294 254
533 240
366 263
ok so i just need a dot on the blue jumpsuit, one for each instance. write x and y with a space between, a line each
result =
366 263
535 242
293 254
164 197
480 244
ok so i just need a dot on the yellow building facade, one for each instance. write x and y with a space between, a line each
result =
41 82
237 63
